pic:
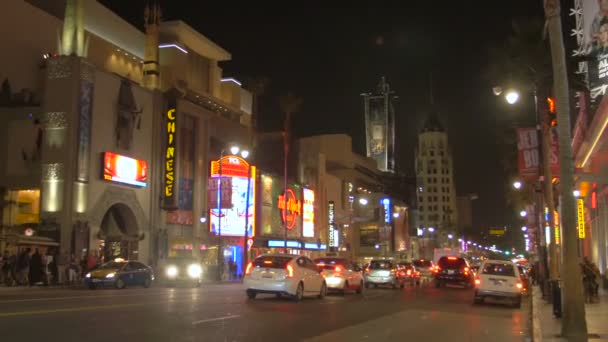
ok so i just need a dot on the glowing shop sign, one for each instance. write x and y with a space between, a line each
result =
308 216
291 208
170 155
122 169
386 204
334 238
581 218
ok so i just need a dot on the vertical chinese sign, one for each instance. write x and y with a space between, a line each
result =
581 218
170 143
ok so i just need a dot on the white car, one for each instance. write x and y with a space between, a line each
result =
341 274
284 274
498 279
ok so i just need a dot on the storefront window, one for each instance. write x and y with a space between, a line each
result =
23 208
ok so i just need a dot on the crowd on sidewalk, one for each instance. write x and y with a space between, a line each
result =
32 268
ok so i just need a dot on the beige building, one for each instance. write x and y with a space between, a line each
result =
85 109
437 212
353 215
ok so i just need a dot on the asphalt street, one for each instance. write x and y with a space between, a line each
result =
221 312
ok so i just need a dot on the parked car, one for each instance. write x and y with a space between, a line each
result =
453 270
182 270
120 273
284 274
383 272
341 274
498 279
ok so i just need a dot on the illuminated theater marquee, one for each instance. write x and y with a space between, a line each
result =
170 155
122 169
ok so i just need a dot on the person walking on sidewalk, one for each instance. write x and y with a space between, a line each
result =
590 283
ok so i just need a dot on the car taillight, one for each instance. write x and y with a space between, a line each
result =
289 270
436 269
477 282
519 286
249 267
466 271
392 270
409 272
367 270
338 269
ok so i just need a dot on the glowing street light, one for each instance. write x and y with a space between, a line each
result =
524 229
234 150
523 213
363 201
512 96
450 236
431 229
396 215
517 185
576 193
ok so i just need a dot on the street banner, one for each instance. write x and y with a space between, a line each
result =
528 160
226 192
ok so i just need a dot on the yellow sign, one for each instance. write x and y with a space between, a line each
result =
556 227
170 155
581 218
497 232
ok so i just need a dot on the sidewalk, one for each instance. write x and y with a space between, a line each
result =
545 327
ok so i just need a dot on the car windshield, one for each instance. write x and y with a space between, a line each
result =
272 261
423 263
330 263
112 265
451 262
380 265
505 269
181 261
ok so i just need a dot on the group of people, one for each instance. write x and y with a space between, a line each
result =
29 267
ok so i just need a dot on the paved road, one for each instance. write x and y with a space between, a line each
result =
221 313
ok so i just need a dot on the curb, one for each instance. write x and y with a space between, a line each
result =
537 335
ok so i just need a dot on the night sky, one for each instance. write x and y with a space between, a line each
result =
329 55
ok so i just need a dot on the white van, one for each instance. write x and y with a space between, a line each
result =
498 279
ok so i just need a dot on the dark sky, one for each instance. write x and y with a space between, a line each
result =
328 55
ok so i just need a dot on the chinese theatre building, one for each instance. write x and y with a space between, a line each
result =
108 145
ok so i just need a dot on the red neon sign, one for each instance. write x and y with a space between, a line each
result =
231 166
290 209
122 169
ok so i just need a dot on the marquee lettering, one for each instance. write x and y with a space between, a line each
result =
290 208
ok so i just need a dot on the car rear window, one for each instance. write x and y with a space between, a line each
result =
272 261
423 263
451 262
330 263
380 265
506 270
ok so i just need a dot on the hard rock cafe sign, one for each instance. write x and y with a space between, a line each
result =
291 208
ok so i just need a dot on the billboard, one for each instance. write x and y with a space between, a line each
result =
121 169
278 210
592 43
308 213
230 219
380 126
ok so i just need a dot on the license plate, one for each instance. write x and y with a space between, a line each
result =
450 271
266 275
96 280
497 282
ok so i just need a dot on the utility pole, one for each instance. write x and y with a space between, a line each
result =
574 324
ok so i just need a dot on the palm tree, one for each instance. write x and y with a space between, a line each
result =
289 105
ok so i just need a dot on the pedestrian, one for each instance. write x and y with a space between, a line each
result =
54 269
590 275
23 267
35 270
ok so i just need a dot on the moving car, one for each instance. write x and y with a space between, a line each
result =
498 279
409 273
425 267
453 270
341 274
120 273
182 270
383 272
284 274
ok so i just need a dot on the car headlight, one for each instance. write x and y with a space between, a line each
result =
88 275
111 275
194 271
172 271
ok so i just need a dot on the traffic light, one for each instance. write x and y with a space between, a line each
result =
552 112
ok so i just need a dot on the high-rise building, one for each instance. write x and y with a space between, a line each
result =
437 220
380 126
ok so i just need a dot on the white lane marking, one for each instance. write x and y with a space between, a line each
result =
215 319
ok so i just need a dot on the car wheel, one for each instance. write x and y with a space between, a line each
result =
360 288
147 282
367 285
120 284
251 294
346 287
323 291
517 303
477 300
92 286
299 292
437 284
402 285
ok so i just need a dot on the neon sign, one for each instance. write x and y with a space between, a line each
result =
308 217
170 155
386 204
122 169
333 232
581 218
290 208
